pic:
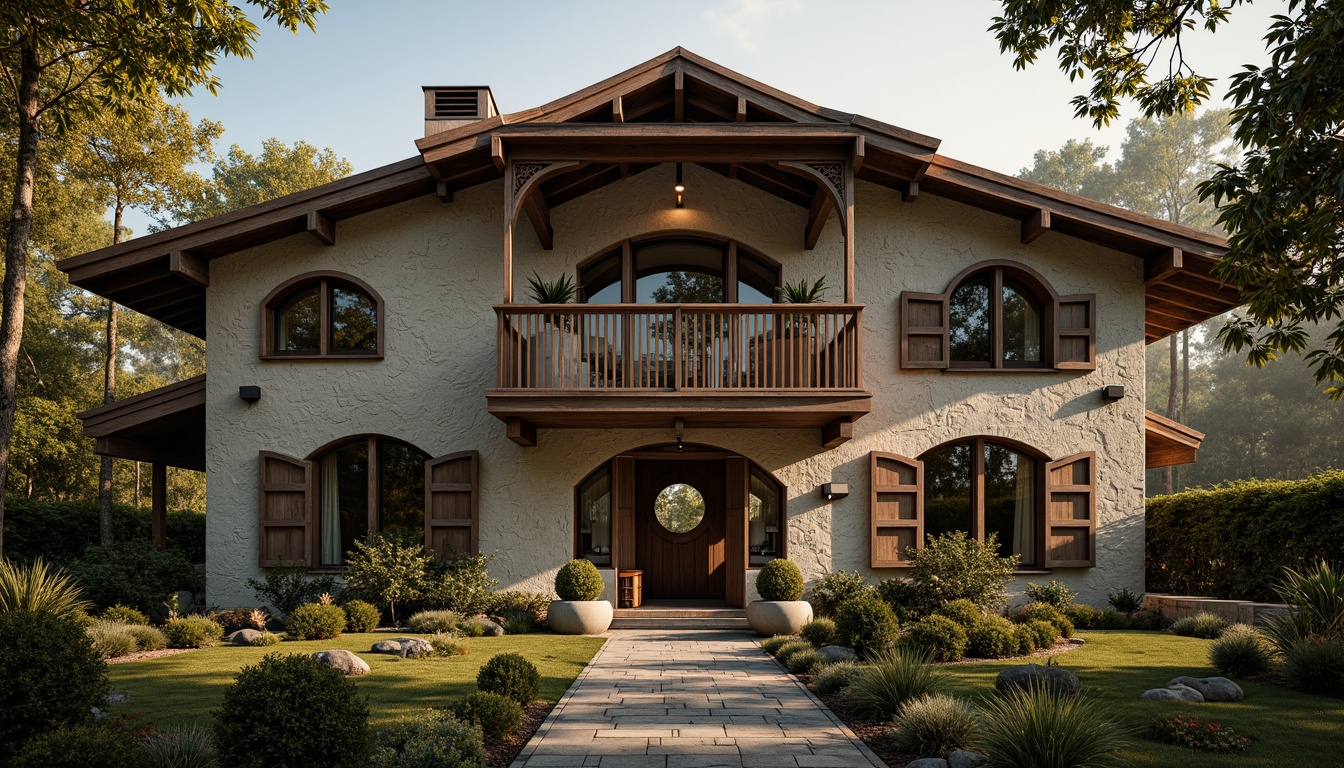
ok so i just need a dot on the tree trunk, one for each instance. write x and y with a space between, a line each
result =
1171 402
137 485
16 260
109 395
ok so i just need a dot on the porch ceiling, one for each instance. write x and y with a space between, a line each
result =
161 426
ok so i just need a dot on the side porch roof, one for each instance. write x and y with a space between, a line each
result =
161 426
1168 442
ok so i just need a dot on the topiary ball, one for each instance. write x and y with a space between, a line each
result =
361 616
938 637
578 580
314 621
779 580
497 716
511 675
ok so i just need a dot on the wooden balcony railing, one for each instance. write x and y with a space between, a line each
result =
678 347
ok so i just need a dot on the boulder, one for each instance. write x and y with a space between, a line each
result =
1175 693
386 646
403 646
927 762
1028 675
343 661
114 699
1211 688
965 759
492 628
834 653
242 636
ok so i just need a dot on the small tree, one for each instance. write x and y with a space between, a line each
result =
954 566
388 568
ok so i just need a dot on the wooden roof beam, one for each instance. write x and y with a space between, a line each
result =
617 110
1162 266
741 110
817 214
321 227
910 191
679 95
189 268
1035 225
540 215
444 191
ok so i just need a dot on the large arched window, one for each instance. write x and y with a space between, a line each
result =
998 315
367 484
985 486
322 315
678 268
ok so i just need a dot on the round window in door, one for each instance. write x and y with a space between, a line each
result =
679 508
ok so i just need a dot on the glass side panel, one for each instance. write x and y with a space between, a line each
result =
595 518
600 282
1010 501
354 321
344 500
1022 325
764 533
401 487
679 272
948 474
968 313
757 282
298 321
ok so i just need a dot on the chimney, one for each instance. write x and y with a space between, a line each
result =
451 106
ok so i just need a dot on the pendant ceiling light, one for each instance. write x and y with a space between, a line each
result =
679 188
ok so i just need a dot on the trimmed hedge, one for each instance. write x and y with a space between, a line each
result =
60 531
1233 541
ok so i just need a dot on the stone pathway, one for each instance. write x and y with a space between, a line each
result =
690 699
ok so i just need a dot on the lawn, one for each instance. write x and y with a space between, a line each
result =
1289 728
173 690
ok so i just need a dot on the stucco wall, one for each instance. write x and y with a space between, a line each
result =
438 268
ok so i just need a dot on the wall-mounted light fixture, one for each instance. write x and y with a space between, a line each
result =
1113 392
833 491
679 188
249 394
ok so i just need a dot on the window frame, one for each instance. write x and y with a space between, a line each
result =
624 252
326 281
1043 294
374 491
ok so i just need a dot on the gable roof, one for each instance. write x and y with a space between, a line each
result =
710 113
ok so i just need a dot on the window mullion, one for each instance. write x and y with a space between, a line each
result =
373 484
978 492
996 319
627 273
324 318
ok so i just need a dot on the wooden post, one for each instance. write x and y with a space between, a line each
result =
159 504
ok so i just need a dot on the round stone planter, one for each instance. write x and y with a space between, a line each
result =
778 617
579 617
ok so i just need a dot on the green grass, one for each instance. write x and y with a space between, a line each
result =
1289 728
175 690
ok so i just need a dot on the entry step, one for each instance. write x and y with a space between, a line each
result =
656 617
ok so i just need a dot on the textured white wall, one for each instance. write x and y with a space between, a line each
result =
438 267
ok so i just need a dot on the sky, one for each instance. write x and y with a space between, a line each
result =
925 65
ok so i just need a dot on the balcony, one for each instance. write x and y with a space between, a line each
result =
679 366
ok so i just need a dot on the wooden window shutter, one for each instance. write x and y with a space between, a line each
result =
924 339
1071 511
1076 333
897 511
285 511
452 504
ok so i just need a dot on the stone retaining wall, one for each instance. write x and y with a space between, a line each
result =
1239 611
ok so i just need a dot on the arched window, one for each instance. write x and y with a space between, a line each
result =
322 315
367 484
679 268
983 486
994 316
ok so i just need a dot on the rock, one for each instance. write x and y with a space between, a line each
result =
492 628
117 698
964 759
834 653
242 636
1175 693
402 646
343 661
386 646
1211 688
1027 675
927 762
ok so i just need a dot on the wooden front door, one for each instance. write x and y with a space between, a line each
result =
685 564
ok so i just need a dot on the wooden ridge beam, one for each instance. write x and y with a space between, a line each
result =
679 96
1163 266
1035 225
189 268
321 227
817 214
741 110
617 110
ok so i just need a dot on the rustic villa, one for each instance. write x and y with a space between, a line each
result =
377 360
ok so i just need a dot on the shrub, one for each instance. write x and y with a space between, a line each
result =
462 584
234 619
186 747
779 579
1203 624
837 588
125 614
819 632
883 688
429 740
1317 607
389 568
192 632
133 573
472 629
285 588
1188 732
1081 616
1109 619
578 580
292 711
1190 551
867 625
112 639
903 597
938 637
1124 601
429 622
787 650
834 677
805 662
772 644
1145 619
60 531
1053 593
509 674
962 611
497 716
1037 727
264 640
1043 612
38 588
934 726
314 621
954 566
447 644
1240 652
50 676
992 638
148 638
360 616
518 625
509 601
92 745
1043 634
1316 666
1025 637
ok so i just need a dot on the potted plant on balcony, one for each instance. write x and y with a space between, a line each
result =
779 611
555 354
579 611
793 345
